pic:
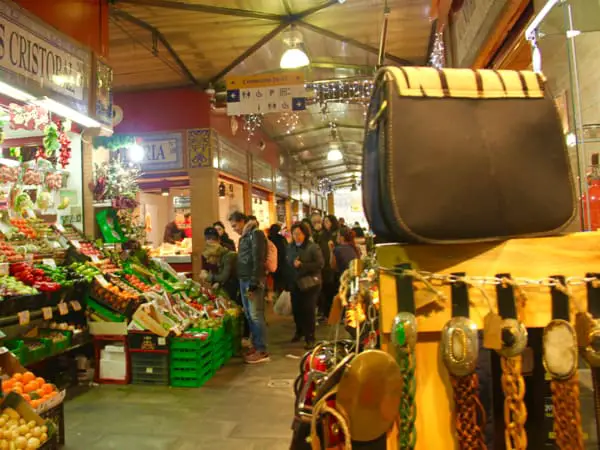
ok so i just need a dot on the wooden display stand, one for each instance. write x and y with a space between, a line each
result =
571 255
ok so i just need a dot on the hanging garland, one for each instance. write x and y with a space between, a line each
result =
437 58
65 147
115 142
252 122
355 91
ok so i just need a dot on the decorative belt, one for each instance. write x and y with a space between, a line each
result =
560 359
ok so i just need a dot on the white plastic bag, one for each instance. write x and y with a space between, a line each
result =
283 305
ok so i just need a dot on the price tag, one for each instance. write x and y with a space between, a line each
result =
149 370
63 309
47 313
492 331
162 341
49 262
100 279
4 268
75 305
76 244
95 258
24 317
59 227
29 257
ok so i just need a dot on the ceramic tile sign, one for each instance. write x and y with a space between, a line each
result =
162 152
269 93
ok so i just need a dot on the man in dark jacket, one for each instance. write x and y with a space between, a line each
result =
252 255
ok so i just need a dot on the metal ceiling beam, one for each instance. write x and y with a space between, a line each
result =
353 160
339 175
320 128
353 42
335 166
195 7
249 52
325 145
314 9
161 38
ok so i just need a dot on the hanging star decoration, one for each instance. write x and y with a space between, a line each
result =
289 120
325 185
437 58
252 122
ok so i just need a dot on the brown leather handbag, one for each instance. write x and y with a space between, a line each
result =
459 155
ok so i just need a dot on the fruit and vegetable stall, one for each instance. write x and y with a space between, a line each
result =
73 312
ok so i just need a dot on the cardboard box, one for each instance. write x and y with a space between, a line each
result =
113 370
108 328
9 365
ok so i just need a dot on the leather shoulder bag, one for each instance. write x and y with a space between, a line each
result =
459 155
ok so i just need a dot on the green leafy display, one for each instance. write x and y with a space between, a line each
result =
51 142
115 142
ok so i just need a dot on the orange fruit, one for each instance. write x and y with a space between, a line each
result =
35 403
26 397
18 376
40 381
30 387
18 389
27 377
7 385
47 388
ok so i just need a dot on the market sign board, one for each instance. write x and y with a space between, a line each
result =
37 58
162 152
269 93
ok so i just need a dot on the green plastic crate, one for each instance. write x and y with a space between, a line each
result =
18 348
58 347
189 344
42 352
189 382
187 363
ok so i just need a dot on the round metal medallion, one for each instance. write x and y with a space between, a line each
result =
560 349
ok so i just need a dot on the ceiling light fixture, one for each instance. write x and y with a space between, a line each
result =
334 155
294 57
164 192
135 152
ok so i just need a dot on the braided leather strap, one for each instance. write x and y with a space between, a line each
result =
407 433
567 416
515 413
469 412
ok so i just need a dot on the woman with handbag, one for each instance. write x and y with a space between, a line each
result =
305 262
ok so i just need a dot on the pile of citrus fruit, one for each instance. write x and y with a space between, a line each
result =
33 389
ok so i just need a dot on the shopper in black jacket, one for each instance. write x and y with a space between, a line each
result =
224 238
281 244
305 262
251 272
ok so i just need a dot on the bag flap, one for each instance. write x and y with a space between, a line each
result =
464 83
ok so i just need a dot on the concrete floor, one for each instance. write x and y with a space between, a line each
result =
241 407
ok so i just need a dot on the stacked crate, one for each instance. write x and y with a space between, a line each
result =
221 347
149 358
191 361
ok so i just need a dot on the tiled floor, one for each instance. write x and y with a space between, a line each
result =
237 409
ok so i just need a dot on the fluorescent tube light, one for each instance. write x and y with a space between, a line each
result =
66 112
15 93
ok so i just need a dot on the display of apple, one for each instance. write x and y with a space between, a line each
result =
10 286
37 278
89 249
